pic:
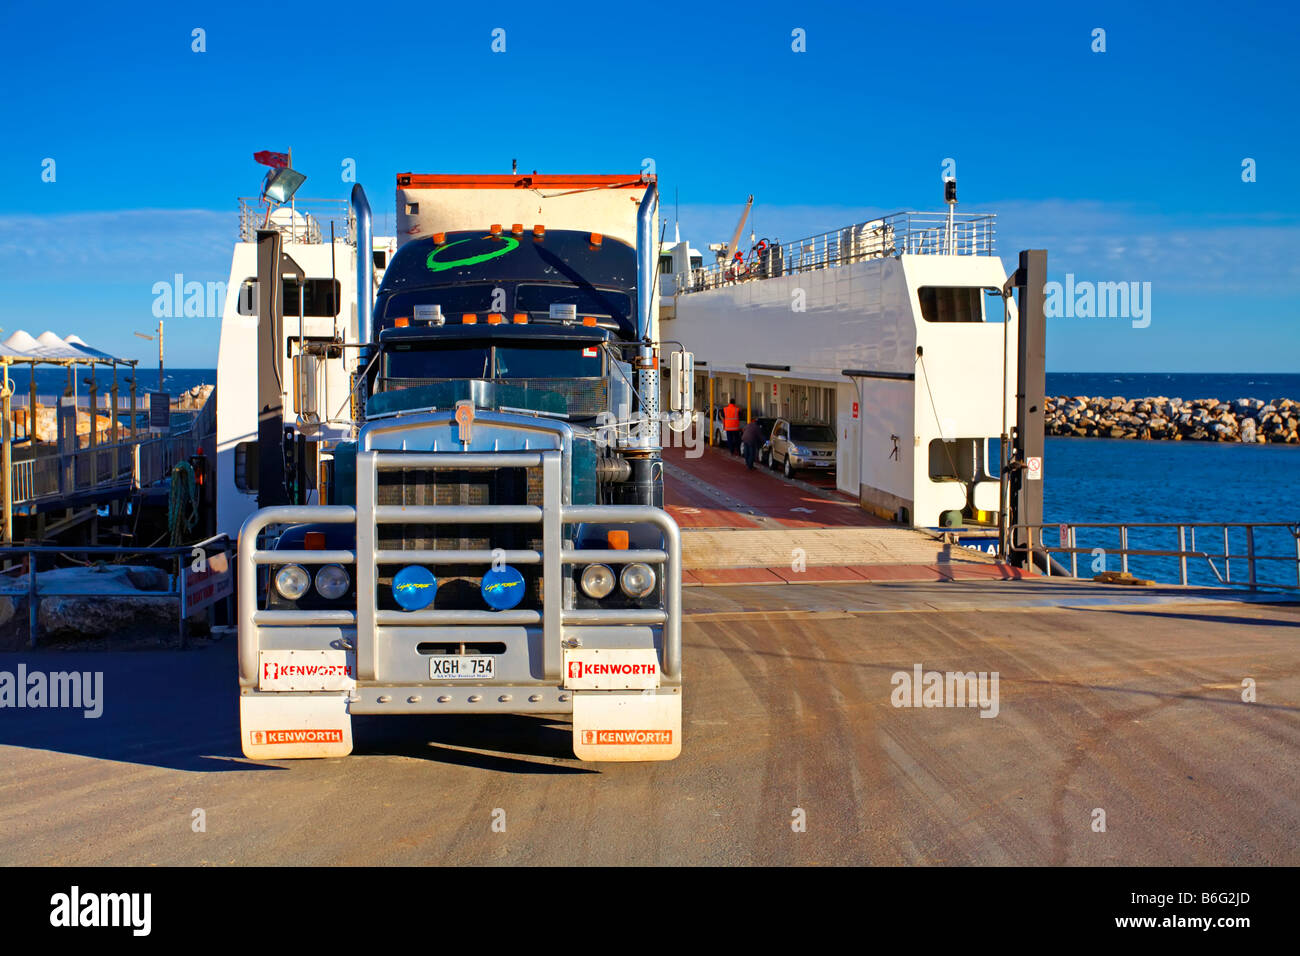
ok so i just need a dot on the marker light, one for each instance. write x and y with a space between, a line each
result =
521 318
332 582
439 238
401 322
414 587
495 229
314 541
292 581
588 320
637 580
597 238
495 318
517 229
469 318
597 581
538 231
502 588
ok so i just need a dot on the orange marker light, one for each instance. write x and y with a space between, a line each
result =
439 238
314 541
539 230
521 318
402 322
469 318
495 228
597 238
495 318
588 320
517 229
618 540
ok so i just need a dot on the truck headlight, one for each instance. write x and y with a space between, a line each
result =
292 581
637 580
332 582
597 581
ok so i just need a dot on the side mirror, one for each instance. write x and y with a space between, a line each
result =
306 370
681 382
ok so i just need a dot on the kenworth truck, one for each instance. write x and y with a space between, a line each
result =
493 539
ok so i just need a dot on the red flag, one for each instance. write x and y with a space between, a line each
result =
274 160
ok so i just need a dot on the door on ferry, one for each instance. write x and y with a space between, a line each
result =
848 434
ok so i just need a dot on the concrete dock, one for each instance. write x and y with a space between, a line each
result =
1129 702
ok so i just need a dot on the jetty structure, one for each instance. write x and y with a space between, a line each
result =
77 457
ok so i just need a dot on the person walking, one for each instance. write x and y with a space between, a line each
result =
751 438
731 425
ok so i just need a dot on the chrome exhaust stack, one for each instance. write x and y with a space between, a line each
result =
365 266
646 276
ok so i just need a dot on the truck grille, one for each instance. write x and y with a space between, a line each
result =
458 585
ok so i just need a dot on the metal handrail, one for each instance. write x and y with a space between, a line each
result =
1029 538
900 233
181 553
308 217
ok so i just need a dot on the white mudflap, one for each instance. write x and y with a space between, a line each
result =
627 725
276 726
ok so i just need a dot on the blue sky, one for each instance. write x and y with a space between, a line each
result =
1125 165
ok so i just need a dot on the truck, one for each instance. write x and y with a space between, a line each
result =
491 539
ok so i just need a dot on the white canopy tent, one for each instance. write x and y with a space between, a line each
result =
20 348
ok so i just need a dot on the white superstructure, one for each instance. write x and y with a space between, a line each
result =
891 331
330 310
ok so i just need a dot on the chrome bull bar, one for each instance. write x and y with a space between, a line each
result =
553 515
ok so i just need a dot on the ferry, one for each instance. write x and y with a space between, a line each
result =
895 332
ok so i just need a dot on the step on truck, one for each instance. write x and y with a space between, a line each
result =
492 540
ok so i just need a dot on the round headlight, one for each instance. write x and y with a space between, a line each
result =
637 580
414 587
597 581
292 581
332 582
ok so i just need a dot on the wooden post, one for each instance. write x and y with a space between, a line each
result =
7 461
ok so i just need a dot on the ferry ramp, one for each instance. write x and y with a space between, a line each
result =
757 527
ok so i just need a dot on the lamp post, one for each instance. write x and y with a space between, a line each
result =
149 338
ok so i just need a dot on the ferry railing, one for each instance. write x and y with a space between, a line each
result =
23 560
308 220
901 233
1242 542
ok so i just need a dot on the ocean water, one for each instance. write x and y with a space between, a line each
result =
1114 480
1185 385
52 381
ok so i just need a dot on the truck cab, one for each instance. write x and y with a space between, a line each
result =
494 539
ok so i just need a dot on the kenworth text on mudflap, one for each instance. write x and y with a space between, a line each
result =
492 539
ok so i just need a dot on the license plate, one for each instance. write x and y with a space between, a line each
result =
456 667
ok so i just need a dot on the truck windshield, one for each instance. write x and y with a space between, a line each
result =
589 301
440 363
568 361
811 433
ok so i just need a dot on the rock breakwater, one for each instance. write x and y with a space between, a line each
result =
1248 420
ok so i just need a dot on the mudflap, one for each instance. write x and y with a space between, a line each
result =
279 726
627 725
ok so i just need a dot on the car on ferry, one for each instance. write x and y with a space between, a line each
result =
800 446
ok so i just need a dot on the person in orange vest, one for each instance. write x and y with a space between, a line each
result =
731 425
